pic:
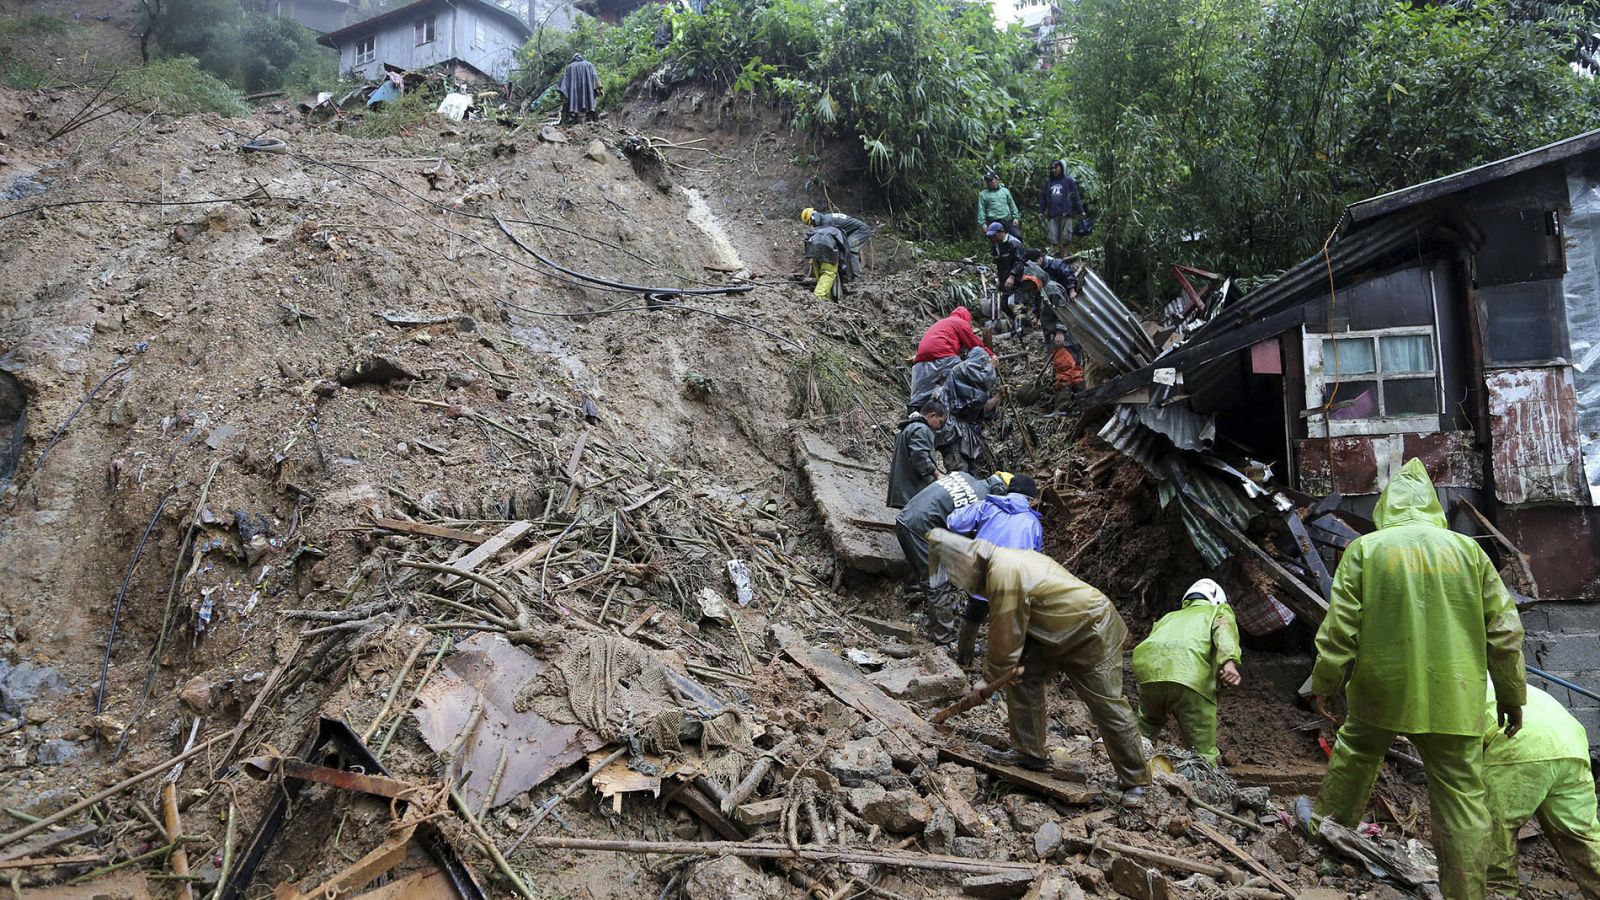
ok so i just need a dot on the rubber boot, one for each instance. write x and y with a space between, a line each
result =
966 642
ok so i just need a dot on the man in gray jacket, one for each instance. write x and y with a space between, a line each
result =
916 455
926 511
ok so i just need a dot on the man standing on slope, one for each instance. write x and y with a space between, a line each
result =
1061 204
1417 621
924 513
916 454
579 86
1041 617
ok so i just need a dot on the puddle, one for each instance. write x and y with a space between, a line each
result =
701 216
539 341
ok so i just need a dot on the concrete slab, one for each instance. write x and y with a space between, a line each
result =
849 497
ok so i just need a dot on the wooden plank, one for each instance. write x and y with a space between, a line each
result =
1516 554
1250 862
900 631
640 621
1037 782
48 842
430 530
483 552
1297 595
844 681
1309 552
526 558
698 803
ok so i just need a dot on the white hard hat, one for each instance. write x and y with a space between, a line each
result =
1210 590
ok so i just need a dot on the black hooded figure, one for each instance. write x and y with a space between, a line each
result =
579 86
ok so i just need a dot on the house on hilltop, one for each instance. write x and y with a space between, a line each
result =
474 40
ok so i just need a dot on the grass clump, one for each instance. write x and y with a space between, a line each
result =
392 118
179 85
14 30
823 382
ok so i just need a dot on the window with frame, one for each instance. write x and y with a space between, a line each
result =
480 39
366 50
424 31
1373 382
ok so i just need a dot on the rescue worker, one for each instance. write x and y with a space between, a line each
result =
1007 250
1543 772
1041 617
579 87
856 234
940 348
997 206
1178 666
1004 520
923 513
916 455
970 395
1417 620
826 249
1060 203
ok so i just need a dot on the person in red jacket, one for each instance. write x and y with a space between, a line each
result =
941 347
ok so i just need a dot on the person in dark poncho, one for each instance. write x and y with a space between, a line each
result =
579 86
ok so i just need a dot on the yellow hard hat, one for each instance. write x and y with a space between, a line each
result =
1005 477
805 214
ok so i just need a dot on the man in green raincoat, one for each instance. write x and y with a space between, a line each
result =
1043 618
1543 772
1418 619
1179 664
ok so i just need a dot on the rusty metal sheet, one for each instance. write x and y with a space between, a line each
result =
1563 548
1533 427
535 749
379 785
1266 357
1451 457
1359 465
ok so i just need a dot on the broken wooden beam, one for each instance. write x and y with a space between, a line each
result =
1037 782
423 528
377 785
1223 874
1309 553
1250 862
1512 550
747 850
486 550
976 696
52 840
1305 602
761 812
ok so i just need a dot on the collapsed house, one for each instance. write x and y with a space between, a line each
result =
1452 321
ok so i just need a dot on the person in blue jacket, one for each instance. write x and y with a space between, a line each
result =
1004 520
1061 204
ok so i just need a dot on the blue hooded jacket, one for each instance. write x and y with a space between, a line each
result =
1060 196
1004 520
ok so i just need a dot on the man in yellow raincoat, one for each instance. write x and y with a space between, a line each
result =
1543 772
1044 619
1179 664
1418 619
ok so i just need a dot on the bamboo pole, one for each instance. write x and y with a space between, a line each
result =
780 851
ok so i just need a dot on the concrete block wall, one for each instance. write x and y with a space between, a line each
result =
1563 638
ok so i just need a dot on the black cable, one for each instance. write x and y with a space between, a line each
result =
116 609
594 279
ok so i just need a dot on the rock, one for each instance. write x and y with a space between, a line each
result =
38 715
26 683
963 779
971 848
1047 840
550 134
899 812
1027 815
1054 886
761 812
1137 882
859 798
730 877
1320 894
221 436
940 832
109 728
597 151
929 678
952 790
457 380
196 694
1255 797
1288 845
55 752
375 370
860 761
999 886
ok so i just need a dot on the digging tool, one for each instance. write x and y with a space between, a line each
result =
978 695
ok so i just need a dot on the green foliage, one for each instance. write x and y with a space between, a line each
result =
622 54
1222 133
392 118
179 85
254 51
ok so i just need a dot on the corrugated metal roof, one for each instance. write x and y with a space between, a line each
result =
1130 438
1106 327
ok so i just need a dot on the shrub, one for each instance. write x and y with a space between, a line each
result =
178 85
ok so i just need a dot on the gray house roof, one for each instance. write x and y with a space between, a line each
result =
404 15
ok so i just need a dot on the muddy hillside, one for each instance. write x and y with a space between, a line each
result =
437 515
